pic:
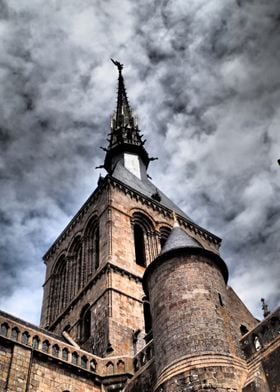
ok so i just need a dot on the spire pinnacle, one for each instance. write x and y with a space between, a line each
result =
175 224
124 136
123 115
118 64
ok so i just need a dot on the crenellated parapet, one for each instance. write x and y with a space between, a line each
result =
262 336
143 357
261 348
49 347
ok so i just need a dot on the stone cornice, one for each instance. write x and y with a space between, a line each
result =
267 332
200 360
88 363
156 206
79 215
126 189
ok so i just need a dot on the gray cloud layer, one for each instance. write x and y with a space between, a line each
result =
204 79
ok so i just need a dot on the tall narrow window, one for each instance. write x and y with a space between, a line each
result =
85 323
147 316
59 287
76 266
96 243
145 239
243 329
78 261
93 247
139 244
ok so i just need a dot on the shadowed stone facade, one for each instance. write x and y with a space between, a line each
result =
135 302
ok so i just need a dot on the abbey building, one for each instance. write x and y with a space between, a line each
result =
136 297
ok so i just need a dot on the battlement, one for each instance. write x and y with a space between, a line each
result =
262 336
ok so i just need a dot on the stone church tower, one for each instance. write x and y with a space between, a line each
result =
136 297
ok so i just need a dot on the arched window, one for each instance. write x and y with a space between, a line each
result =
15 333
59 287
4 329
45 346
25 337
164 234
65 354
93 365
76 266
55 350
110 367
75 358
145 244
85 323
93 246
96 246
139 244
77 256
35 342
84 362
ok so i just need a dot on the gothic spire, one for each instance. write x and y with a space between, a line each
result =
124 136
123 115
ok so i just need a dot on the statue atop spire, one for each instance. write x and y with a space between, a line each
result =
124 136
117 64
265 309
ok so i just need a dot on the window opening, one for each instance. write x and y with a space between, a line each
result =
147 317
84 362
25 338
96 243
75 358
35 342
85 323
55 350
221 299
15 333
243 329
65 353
45 346
4 329
139 244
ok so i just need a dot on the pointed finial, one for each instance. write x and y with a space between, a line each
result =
265 309
175 224
118 65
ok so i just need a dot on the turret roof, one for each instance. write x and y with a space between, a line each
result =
178 239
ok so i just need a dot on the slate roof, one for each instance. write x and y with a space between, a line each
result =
145 187
178 238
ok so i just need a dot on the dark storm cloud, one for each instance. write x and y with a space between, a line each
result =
204 79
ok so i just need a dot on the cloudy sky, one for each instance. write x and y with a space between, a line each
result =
203 77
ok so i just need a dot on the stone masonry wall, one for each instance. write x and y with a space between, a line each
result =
32 360
5 360
47 376
115 297
184 296
188 298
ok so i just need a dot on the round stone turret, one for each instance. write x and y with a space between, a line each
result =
186 286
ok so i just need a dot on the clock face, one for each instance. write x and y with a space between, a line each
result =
131 163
